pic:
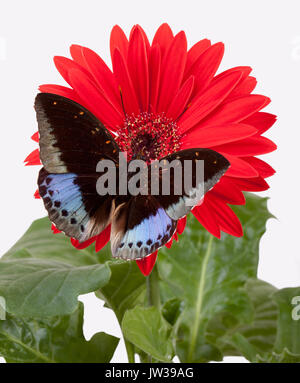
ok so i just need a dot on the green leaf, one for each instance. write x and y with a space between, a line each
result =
53 340
250 339
41 243
273 336
43 274
209 275
171 310
282 327
125 289
288 333
147 329
40 288
284 357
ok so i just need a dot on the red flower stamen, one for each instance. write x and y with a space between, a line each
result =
148 136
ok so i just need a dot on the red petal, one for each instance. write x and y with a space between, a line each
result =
244 88
169 244
146 264
206 217
35 137
264 169
145 39
236 110
181 225
227 191
252 184
55 229
103 238
261 120
37 195
207 101
126 87
95 100
163 37
65 65
118 40
244 70
76 53
33 158
239 168
138 67
251 146
60 90
227 220
103 76
216 135
82 245
172 71
206 66
154 75
194 53
181 99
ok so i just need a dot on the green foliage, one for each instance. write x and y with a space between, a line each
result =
208 275
148 330
41 288
212 304
53 340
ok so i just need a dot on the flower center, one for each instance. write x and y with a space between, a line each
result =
148 136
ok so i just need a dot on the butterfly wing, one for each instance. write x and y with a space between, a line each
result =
213 167
146 223
140 227
72 139
73 204
72 142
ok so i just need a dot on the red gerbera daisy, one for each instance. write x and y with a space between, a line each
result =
173 92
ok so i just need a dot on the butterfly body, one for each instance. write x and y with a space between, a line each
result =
72 142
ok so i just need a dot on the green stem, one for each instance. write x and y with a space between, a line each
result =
128 345
153 295
198 308
130 351
152 283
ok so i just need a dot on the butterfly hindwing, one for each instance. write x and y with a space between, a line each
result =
72 139
212 168
140 227
73 204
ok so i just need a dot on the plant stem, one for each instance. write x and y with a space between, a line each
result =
198 308
153 294
130 351
152 283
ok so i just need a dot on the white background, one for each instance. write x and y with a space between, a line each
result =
260 33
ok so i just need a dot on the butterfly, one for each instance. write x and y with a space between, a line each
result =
72 141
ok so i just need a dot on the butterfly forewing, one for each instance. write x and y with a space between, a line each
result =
71 138
72 142
211 167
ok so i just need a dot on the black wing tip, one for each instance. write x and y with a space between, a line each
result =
43 96
224 161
